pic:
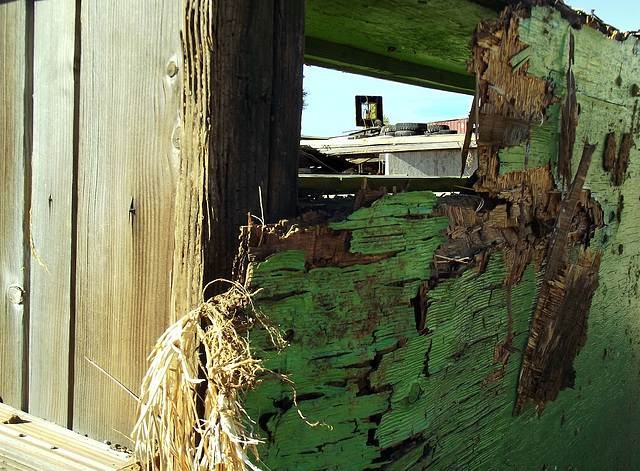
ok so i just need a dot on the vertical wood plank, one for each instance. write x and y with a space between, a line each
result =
186 288
130 92
13 169
51 209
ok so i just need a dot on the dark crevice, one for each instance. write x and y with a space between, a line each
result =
401 449
364 383
309 396
333 355
284 404
28 150
281 296
363 364
620 207
371 438
263 420
77 59
420 313
288 335
425 369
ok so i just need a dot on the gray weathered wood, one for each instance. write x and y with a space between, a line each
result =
130 95
13 273
380 144
28 443
51 209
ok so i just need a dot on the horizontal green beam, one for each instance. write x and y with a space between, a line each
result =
337 184
331 55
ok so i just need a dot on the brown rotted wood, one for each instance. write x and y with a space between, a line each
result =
609 157
568 122
559 323
620 167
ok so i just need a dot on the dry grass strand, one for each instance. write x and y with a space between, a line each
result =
201 362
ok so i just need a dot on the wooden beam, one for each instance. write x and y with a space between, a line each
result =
30 443
382 144
345 58
256 104
336 184
127 165
51 214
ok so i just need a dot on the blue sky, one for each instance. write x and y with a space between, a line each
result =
330 100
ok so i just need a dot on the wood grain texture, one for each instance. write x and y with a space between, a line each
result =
130 92
14 170
51 209
186 286
29 443
256 102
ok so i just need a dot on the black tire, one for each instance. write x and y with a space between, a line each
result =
390 129
385 132
416 127
447 131
437 127
405 133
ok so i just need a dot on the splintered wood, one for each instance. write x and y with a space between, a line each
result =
419 326
559 323
194 143
512 100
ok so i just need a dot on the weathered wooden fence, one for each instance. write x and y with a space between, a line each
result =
106 111
90 110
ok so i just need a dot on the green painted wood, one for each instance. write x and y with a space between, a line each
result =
400 400
332 370
423 43
327 54
368 377
600 64
359 364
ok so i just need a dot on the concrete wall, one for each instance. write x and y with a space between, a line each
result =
429 163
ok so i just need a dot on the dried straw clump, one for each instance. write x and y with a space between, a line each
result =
190 416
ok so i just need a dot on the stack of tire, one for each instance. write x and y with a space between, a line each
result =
413 129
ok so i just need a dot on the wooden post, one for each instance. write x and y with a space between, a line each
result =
256 104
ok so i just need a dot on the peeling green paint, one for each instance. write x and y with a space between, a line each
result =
398 399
